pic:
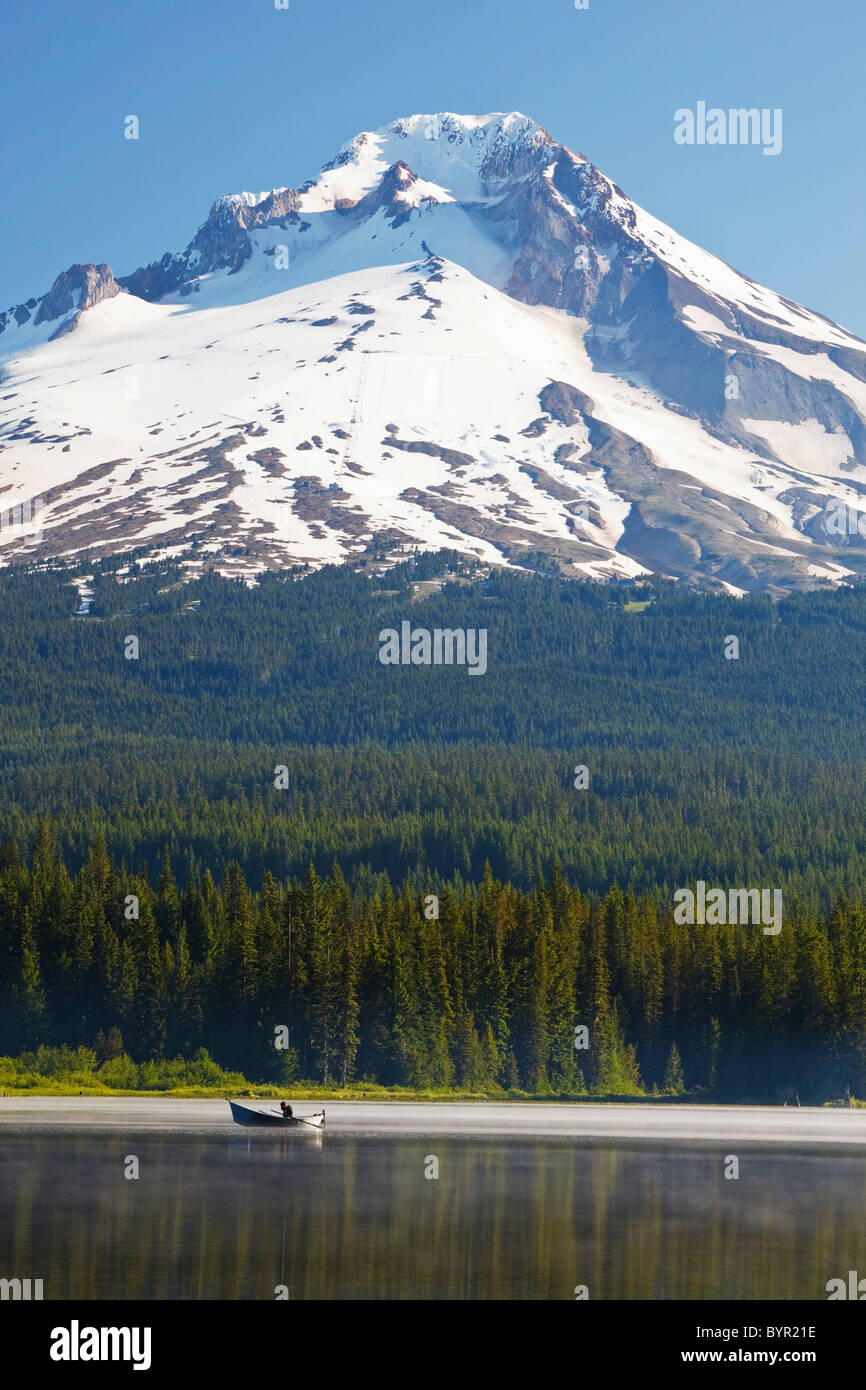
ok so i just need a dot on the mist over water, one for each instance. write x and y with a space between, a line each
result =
346 1217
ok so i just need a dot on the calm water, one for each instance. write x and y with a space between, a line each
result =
345 1217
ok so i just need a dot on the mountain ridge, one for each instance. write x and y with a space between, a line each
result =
721 423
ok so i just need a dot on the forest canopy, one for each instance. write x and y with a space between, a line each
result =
258 764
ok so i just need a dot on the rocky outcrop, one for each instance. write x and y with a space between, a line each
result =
390 196
74 290
79 287
19 314
221 243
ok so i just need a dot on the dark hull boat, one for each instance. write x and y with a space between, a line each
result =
246 1115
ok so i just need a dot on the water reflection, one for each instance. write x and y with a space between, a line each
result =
337 1217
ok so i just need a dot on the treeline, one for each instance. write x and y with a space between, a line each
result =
484 988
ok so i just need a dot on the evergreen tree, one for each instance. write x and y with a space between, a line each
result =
673 1083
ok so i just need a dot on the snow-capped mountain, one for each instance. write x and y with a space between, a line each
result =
460 334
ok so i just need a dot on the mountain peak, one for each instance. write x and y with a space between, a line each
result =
453 127
441 125
467 156
555 369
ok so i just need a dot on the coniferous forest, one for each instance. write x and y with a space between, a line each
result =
253 824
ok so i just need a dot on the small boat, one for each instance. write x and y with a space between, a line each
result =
247 1115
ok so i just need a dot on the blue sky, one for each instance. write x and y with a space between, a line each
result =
234 94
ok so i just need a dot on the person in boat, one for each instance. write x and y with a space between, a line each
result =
286 1109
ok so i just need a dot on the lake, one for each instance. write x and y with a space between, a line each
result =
233 1214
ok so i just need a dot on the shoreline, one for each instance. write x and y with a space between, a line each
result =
587 1121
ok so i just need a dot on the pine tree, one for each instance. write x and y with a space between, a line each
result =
31 1014
149 1005
673 1083
167 906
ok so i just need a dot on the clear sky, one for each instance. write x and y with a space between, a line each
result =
235 94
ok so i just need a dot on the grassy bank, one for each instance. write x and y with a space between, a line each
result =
65 1071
